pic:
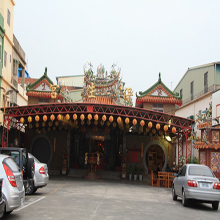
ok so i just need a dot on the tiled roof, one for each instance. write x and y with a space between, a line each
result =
27 80
99 99
203 145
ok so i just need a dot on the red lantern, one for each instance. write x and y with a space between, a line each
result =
82 117
150 124
111 118
173 130
103 118
74 117
67 117
134 121
142 123
165 128
52 117
89 117
29 119
158 126
22 120
119 120
127 121
96 117
37 118
44 118
59 117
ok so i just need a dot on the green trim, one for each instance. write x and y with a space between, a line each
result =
159 82
191 117
31 86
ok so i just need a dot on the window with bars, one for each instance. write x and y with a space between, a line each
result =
206 82
157 107
192 90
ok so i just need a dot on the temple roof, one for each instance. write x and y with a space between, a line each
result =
158 93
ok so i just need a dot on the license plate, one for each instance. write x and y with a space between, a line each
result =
204 185
22 201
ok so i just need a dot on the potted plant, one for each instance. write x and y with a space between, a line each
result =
135 171
141 173
130 171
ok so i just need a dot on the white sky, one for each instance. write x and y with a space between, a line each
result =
144 37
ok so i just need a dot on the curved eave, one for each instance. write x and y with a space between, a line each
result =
203 145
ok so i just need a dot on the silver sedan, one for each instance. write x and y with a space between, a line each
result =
196 182
41 176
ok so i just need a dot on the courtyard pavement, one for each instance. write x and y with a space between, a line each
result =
79 199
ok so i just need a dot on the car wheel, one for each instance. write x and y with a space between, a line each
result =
184 199
174 194
30 189
215 205
2 214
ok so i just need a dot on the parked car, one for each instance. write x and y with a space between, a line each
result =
13 191
41 176
26 165
2 201
196 182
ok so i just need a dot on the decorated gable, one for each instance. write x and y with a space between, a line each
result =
43 86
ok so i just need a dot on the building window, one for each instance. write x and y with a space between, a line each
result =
192 90
206 82
157 107
9 17
5 58
43 100
0 49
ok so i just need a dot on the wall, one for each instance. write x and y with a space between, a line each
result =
215 108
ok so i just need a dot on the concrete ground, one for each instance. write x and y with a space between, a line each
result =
79 199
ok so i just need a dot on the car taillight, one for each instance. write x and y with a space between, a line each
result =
41 170
10 176
192 183
33 164
216 186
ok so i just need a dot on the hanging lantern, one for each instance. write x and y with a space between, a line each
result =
111 118
67 117
88 122
43 124
114 124
74 117
59 117
102 123
108 123
44 118
127 120
147 129
96 117
29 119
158 126
142 123
119 120
134 121
173 130
37 118
50 123
22 120
52 117
165 128
82 117
154 131
89 117
150 124
104 118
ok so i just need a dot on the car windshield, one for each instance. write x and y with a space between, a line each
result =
14 155
200 171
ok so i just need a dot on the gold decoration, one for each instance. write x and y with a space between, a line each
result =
67 117
127 120
108 123
44 118
88 122
30 126
95 122
43 124
91 91
52 117
59 117
82 117
114 124
147 129
74 117
102 123
142 123
89 117
111 118
96 117
104 117
158 126
134 121
54 93
37 125
37 118
150 124
22 120
50 123
119 120
29 119
154 131
56 123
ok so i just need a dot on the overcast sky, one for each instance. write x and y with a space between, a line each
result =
142 37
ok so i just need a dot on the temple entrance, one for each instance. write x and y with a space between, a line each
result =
155 157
